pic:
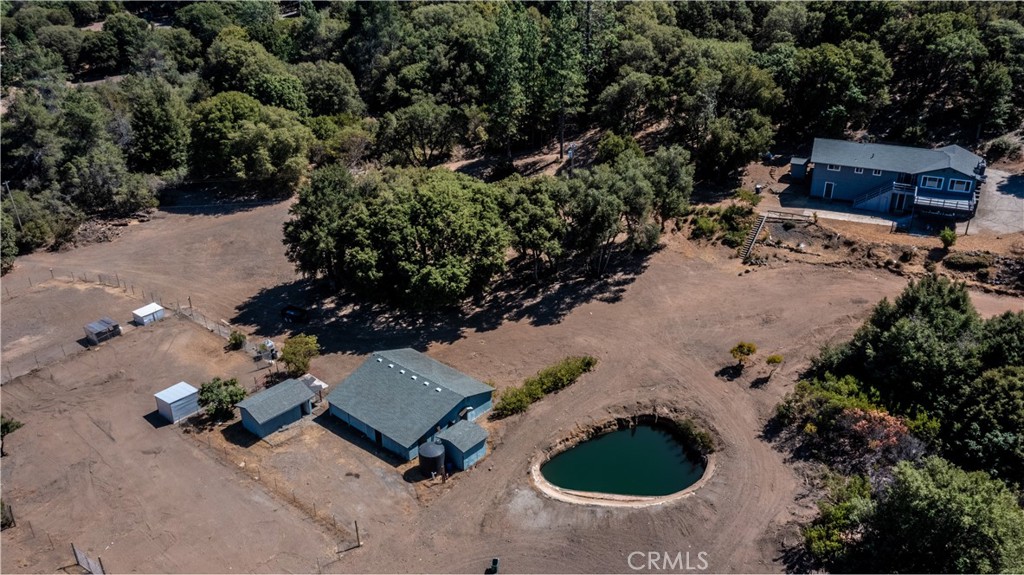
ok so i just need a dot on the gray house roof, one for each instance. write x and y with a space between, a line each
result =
890 158
403 393
464 435
270 403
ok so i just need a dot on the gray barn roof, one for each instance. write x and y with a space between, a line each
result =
892 158
403 393
270 403
464 435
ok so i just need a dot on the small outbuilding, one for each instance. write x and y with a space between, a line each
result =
177 402
148 314
798 168
101 330
271 409
465 443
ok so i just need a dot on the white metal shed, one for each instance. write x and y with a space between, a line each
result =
147 314
177 402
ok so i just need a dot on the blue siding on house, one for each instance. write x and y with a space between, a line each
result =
290 416
848 184
463 461
946 175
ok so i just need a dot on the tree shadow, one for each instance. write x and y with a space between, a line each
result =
218 198
348 323
797 559
237 434
760 382
519 296
730 372
1013 185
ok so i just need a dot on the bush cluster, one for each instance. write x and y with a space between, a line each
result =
968 262
549 380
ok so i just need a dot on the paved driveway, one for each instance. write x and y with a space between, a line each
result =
1001 207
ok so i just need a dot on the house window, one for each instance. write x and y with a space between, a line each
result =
858 170
959 185
833 168
876 172
931 182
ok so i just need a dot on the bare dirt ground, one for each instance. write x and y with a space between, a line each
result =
95 466
660 337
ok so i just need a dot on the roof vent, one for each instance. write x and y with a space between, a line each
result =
438 389
380 359
426 383
414 377
390 365
401 371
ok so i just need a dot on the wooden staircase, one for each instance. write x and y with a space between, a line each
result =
752 237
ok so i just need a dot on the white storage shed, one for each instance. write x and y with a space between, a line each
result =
177 402
147 314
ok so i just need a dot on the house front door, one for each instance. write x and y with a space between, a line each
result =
830 187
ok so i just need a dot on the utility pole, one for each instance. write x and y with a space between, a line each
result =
14 206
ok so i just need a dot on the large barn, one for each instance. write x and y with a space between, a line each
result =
400 399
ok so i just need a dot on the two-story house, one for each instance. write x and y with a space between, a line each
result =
893 179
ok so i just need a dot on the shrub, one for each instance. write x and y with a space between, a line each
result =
968 262
747 196
549 380
7 425
704 227
742 352
298 351
1003 147
774 359
236 340
734 238
948 237
692 435
841 512
512 401
218 397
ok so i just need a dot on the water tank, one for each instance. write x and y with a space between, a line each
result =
431 458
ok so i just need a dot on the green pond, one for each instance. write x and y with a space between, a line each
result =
639 461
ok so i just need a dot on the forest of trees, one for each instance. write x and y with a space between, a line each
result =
920 416
258 93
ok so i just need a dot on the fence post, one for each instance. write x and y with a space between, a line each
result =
51 273
62 350
118 278
359 542
30 281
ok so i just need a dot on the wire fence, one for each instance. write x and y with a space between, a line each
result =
346 536
45 355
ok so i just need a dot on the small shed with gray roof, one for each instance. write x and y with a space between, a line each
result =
400 399
271 409
465 443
